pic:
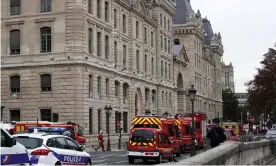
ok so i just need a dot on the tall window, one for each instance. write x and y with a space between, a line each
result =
137 60
137 29
90 40
45 6
99 121
161 42
161 19
46 39
14 115
90 6
125 121
45 81
165 43
107 87
125 92
106 11
170 99
152 66
165 69
124 23
99 87
14 42
115 52
99 43
153 98
145 35
15 6
146 64
152 39
169 71
117 88
117 115
168 25
162 98
15 83
162 69
90 121
169 47
90 86
165 23
99 8
124 55
115 18
106 47
46 115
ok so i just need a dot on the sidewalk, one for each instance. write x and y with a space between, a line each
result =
91 149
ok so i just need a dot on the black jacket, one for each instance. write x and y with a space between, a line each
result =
216 136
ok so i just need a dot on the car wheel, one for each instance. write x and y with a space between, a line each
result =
88 163
178 154
182 149
159 159
58 163
130 160
171 159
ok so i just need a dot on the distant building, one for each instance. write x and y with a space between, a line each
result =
242 98
228 77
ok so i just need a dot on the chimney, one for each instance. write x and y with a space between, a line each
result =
176 41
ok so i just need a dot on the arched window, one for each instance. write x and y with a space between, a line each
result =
15 42
45 39
15 84
46 82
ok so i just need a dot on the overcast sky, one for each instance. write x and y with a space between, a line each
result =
248 29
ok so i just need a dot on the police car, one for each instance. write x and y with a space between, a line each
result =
52 149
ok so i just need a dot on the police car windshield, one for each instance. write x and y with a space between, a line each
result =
30 143
142 136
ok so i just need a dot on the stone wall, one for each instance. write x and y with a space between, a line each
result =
235 153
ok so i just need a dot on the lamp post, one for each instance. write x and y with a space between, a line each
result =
108 114
248 117
192 95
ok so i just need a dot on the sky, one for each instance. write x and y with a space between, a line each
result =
248 29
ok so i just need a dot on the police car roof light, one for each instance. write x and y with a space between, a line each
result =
46 129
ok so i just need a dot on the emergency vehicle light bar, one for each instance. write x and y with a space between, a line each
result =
47 129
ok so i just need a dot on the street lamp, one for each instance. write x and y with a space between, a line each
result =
192 95
108 114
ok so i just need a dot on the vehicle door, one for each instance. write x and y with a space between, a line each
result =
11 151
164 144
60 150
80 157
79 135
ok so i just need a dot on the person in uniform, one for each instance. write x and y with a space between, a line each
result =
217 134
101 141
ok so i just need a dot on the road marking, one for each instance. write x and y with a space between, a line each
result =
96 161
121 161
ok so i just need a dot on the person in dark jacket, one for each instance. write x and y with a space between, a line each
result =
216 135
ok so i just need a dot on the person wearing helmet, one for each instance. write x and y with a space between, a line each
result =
216 134
101 141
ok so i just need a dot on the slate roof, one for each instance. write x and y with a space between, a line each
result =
182 7
207 29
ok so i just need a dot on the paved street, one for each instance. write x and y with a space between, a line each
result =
120 158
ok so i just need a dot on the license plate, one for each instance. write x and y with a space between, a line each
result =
142 146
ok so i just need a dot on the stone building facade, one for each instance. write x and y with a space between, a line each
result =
67 59
204 50
228 77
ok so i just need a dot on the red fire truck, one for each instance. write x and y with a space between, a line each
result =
163 123
200 127
76 129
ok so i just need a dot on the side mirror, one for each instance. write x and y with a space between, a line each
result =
82 148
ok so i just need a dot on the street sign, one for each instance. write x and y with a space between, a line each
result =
252 119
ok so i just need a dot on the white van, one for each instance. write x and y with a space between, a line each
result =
12 152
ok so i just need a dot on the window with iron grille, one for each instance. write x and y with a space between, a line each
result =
15 42
46 6
90 40
15 7
15 84
46 39
46 115
45 81
14 115
125 120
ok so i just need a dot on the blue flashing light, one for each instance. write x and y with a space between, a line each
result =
48 129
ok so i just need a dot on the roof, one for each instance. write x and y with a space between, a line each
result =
208 31
182 7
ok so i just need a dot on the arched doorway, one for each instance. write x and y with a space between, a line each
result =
138 99
180 94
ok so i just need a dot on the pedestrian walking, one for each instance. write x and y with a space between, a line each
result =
216 135
101 141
